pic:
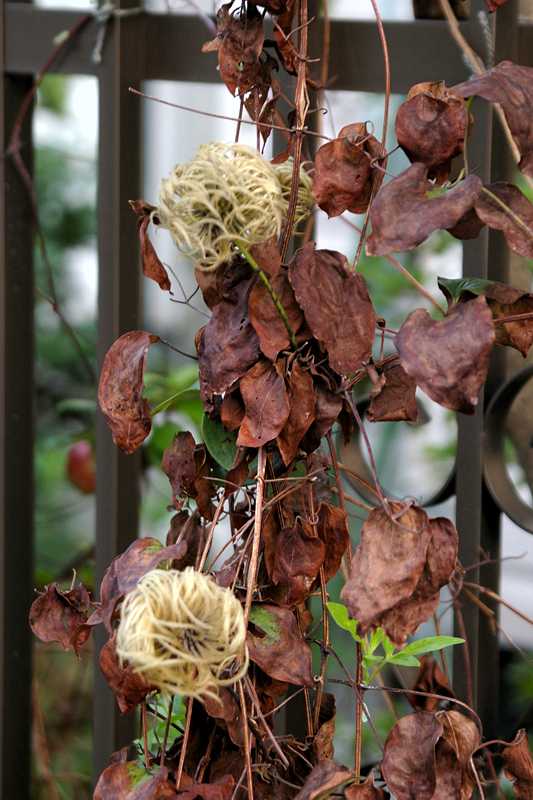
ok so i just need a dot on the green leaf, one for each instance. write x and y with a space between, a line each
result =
403 660
339 612
378 637
454 288
370 659
76 407
430 644
222 444
267 622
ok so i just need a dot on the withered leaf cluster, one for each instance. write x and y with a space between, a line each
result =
398 569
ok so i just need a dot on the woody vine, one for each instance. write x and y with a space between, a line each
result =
228 635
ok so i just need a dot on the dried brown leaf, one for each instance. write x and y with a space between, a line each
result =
519 237
266 405
519 766
267 256
222 789
280 650
268 325
449 358
511 86
387 564
186 528
129 688
127 569
152 266
430 679
239 42
298 557
395 399
302 403
336 304
344 178
323 742
409 764
57 616
120 390
228 345
406 210
364 791
332 528
127 780
323 779
431 126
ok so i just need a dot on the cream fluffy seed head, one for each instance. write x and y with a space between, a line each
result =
183 633
228 194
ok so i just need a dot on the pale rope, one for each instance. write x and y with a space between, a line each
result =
228 194
183 633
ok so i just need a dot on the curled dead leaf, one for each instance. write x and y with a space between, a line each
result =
519 766
127 569
152 266
511 86
364 791
408 208
278 647
187 468
449 358
514 218
387 564
409 764
268 325
228 345
57 616
266 405
129 688
431 127
302 404
128 780
120 390
323 779
336 304
395 399
430 679
239 43
298 556
344 177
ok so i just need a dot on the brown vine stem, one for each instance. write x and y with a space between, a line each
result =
184 743
499 599
167 729
301 103
478 67
466 652
347 558
325 637
514 318
147 759
358 710
397 264
257 703
256 541
246 743
212 115
386 62
209 540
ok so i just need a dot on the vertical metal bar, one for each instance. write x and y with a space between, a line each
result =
119 173
478 517
16 450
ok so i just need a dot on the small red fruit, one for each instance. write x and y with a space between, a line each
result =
80 467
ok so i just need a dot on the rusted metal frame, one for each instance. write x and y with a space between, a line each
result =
353 67
16 449
119 180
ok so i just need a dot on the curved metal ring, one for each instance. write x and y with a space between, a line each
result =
497 477
360 465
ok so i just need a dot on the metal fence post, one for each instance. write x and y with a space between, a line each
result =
119 174
16 450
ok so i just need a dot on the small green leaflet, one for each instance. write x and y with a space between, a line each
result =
430 644
339 612
222 444
453 288
267 622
